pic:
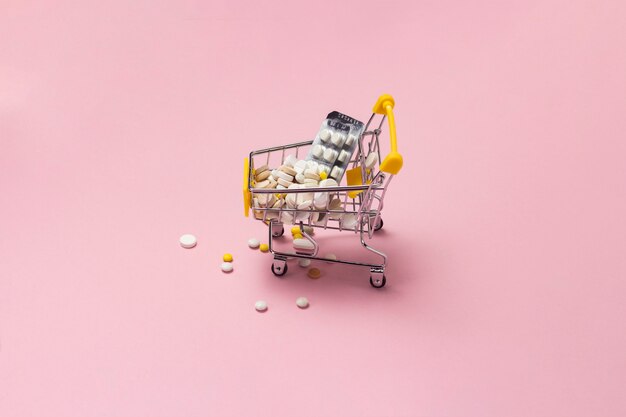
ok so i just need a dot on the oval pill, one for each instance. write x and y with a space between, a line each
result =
330 155
227 267
318 151
303 262
188 241
261 169
287 170
260 305
302 302
314 273
253 243
283 175
264 247
338 139
227 257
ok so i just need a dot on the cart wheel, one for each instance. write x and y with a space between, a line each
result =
379 282
279 271
278 230
379 226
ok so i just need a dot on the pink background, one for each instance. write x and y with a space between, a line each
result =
124 124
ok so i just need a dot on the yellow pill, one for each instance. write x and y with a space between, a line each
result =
227 257
314 273
323 175
295 229
297 236
264 247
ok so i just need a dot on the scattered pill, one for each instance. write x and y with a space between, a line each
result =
303 245
227 267
304 263
297 236
260 305
331 256
314 273
227 257
253 243
264 247
302 302
188 241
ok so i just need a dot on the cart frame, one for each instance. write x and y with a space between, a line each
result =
363 202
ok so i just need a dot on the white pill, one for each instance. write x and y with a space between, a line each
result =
290 160
302 216
312 165
253 243
371 160
310 181
305 205
188 241
349 220
318 151
227 267
338 139
260 305
344 156
325 135
300 178
303 245
283 175
300 166
331 256
351 139
281 187
284 183
328 182
336 173
304 262
330 155
302 302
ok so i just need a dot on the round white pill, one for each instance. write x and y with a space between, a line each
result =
260 305
304 262
302 302
188 241
227 267
325 135
254 243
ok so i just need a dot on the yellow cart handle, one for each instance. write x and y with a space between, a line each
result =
393 161
246 192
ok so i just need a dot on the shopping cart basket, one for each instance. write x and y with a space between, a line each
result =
362 198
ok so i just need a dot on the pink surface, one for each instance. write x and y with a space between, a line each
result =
124 125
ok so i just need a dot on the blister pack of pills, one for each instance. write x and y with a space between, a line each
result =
335 143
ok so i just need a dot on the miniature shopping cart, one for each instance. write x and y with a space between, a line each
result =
362 198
